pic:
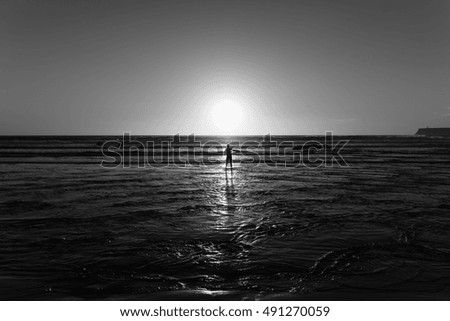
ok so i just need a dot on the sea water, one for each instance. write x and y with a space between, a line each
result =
377 228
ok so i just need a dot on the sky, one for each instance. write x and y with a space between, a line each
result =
224 67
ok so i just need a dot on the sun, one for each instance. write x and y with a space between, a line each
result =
226 116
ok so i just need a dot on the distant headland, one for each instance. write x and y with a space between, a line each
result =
442 131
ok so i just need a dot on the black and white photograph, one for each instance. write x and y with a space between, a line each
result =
225 150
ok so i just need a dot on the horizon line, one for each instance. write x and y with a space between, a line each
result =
182 134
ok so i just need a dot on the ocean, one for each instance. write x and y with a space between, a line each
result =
156 219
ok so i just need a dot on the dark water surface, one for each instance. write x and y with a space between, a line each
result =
378 229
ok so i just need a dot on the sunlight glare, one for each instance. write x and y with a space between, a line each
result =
226 116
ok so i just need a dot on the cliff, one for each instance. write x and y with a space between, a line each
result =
443 131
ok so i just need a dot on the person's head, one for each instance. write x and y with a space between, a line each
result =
228 146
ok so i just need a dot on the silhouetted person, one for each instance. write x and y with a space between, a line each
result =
229 151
